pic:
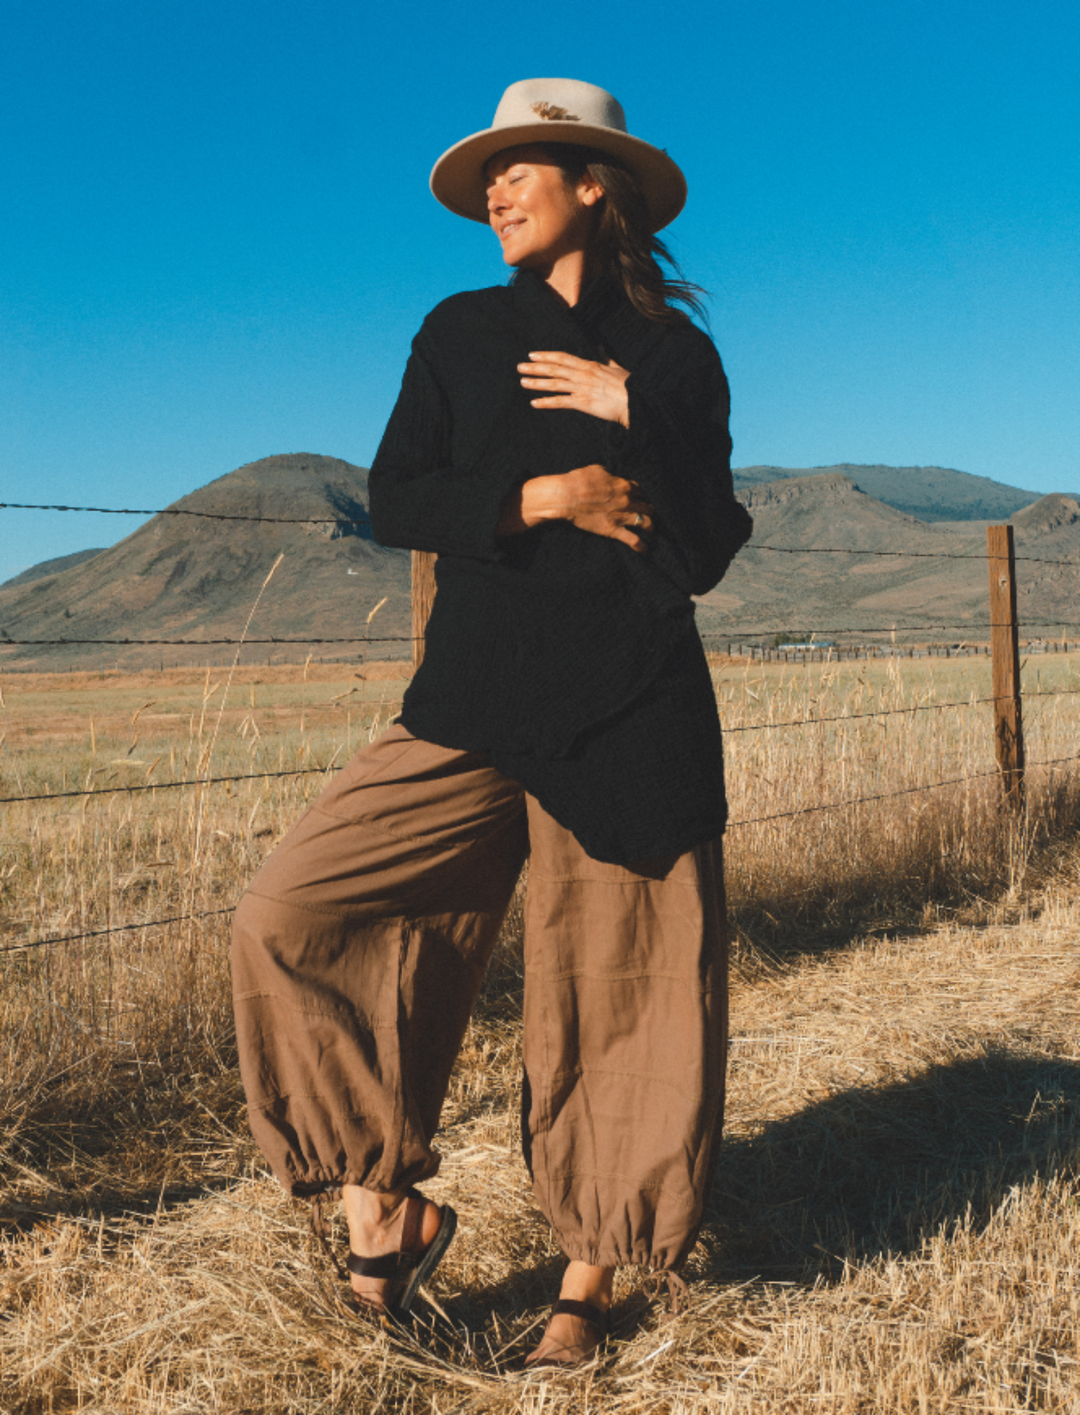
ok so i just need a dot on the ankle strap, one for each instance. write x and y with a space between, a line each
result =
388 1265
568 1307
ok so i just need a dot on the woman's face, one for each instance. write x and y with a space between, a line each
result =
536 214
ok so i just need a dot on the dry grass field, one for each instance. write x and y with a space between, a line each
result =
896 1221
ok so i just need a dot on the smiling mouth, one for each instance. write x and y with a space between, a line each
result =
509 229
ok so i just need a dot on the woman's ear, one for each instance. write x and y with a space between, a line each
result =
589 190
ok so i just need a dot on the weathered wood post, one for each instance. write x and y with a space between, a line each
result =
1005 650
423 597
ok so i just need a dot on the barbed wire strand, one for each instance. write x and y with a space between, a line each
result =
896 712
889 795
116 929
168 785
366 521
732 825
900 554
202 643
183 511
331 767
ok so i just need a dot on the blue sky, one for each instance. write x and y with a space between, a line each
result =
217 238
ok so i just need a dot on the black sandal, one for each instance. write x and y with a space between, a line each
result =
591 1316
408 1268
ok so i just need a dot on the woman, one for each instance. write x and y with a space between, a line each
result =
562 444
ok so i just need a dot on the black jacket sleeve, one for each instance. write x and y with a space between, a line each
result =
678 449
417 499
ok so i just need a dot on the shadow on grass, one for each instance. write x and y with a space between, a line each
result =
875 1171
903 898
776 932
868 1172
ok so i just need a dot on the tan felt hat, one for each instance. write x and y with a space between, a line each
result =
564 111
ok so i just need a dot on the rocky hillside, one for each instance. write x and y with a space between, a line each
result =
770 591
930 493
182 576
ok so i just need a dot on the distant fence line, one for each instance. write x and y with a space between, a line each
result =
715 641
717 644
834 653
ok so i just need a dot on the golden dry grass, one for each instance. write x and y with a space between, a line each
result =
895 1225
893 855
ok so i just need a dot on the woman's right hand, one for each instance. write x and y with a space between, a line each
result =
589 498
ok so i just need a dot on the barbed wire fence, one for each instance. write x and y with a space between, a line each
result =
1003 648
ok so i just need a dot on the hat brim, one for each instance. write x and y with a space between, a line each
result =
457 179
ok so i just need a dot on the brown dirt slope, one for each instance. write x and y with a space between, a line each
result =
188 577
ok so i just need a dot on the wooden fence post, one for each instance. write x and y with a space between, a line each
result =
423 597
1005 648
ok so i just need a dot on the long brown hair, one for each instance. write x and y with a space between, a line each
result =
625 243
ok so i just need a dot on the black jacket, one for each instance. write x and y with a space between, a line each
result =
571 660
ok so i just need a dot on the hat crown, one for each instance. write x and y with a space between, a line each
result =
559 100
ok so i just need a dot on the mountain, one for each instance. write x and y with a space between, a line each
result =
51 567
930 493
188 576
874 588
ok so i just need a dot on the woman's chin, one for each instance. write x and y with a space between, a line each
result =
529 261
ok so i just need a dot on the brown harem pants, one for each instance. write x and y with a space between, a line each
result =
358 953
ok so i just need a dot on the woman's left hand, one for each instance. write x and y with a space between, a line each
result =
570 382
